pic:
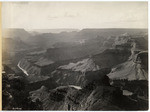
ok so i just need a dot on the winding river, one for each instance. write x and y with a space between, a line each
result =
24 71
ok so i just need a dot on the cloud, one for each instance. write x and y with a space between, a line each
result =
71 15
52 17
74 14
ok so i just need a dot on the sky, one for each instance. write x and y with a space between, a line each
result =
78 15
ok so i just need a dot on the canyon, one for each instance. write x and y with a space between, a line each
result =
91 69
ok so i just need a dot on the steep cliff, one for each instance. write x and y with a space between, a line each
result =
129 70
136 67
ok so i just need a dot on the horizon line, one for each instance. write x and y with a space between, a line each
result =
69 28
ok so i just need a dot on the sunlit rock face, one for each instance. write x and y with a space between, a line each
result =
81 66
129 70
136 67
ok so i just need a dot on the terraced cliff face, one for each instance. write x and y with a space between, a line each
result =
70 77
136 67
131 70
76 73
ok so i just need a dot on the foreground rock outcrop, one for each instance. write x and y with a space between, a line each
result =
96 94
